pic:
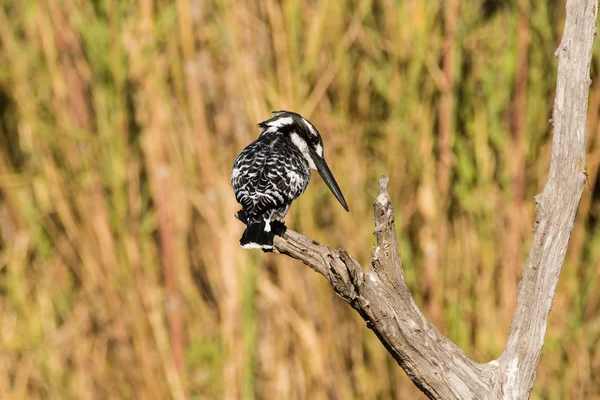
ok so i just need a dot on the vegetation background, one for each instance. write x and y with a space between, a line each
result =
120 271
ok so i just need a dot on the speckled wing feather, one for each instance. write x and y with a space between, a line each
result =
269 174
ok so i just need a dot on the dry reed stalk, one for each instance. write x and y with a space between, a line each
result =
512 270
445 160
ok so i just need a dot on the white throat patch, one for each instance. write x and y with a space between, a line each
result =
319 150
303 147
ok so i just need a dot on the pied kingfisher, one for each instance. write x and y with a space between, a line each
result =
273 171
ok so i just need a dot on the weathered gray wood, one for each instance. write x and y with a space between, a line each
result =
439 368
556 206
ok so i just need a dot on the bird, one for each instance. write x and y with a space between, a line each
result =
271 172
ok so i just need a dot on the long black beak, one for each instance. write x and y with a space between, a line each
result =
328 178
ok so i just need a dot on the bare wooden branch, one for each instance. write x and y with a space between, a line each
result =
557 205
434 363
437 366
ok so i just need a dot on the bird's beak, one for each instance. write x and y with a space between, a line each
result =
328 178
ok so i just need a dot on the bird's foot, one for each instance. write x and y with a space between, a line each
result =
278 228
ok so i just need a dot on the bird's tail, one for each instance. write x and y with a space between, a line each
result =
258 235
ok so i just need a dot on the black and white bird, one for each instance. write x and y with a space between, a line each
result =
273 171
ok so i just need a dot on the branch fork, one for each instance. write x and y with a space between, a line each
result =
380 295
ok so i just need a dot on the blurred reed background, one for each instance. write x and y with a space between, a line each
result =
120 272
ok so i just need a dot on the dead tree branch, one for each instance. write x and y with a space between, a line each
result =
437 366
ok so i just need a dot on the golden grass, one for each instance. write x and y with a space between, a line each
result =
120 272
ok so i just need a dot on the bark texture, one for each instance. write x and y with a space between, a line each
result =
437 366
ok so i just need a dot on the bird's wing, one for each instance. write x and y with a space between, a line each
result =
268 176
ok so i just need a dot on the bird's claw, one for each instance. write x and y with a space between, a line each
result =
278 228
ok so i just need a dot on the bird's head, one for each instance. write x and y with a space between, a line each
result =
307 139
